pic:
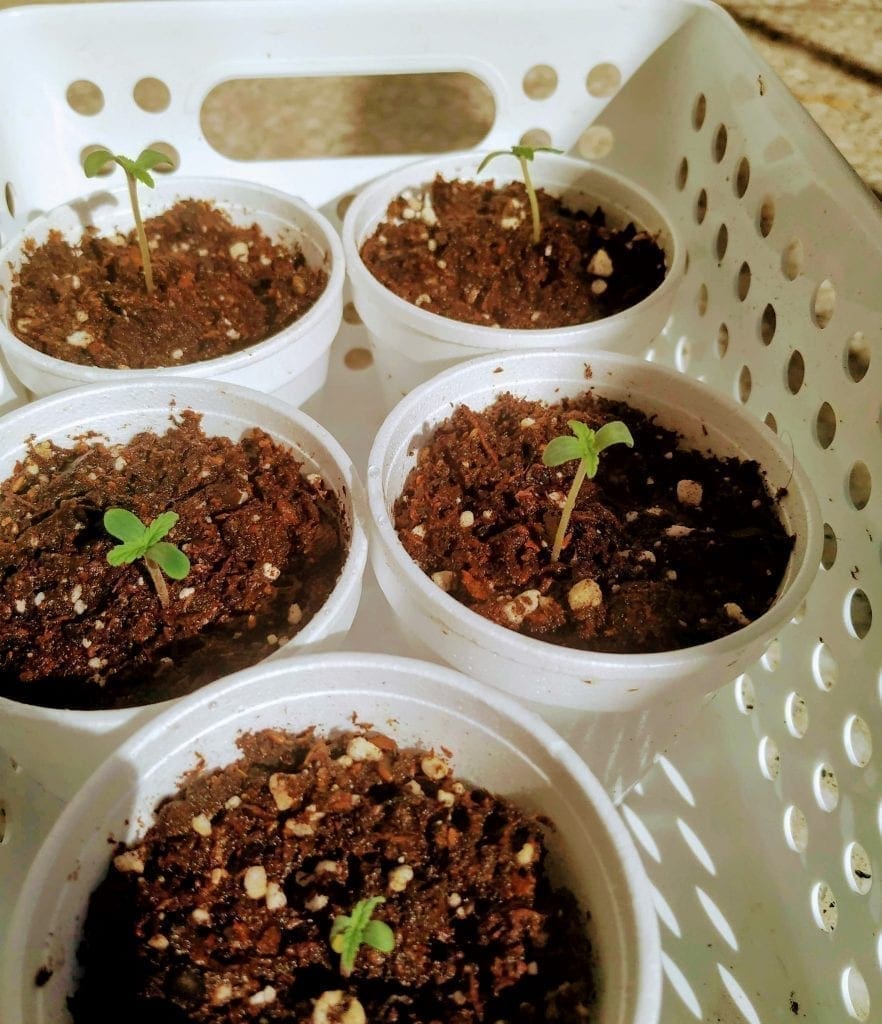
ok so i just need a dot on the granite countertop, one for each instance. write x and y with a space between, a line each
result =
828 53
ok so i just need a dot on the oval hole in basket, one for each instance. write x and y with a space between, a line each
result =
699 111
722 340
682 174
824 908
721 140
540 82
826 787
857 356
9 196
151 95
701 206
603 79
745 384
766 217
745 694
824 303
858 741
796 832
795 373
350 314
769 758
796 715
855 994
742 177
85 97
792 259
744 279
825 425
771 422
595 142
701 301
393 115
858 868
768 324
2 822
825 668
831 545
859 614
722 241
860 485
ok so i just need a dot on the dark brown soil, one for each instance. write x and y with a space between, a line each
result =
465 251
223 911
219 289
265 545
479 513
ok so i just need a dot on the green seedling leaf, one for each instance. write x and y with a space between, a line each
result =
140 541
135 170
350 932
585 445
524 155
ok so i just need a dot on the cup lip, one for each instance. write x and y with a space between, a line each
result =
295 332
528 650
382 189
231 692
351 496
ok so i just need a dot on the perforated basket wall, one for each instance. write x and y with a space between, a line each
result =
761 828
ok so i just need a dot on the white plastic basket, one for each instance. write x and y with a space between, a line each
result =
748 827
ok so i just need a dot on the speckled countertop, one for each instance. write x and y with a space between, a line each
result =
828 52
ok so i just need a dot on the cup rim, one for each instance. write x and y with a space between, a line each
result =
529 650
295 332
382 189
351 496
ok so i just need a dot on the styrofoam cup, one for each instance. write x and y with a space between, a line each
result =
295 360
616 709
60 747
411 344
495 743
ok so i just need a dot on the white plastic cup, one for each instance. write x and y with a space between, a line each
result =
411 344
495 743
61 747
617 710
295 360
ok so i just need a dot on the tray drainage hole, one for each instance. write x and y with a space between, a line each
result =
739 996
358 358
745 694
828 552
717 918
768 324
683 354
857 357
825 668
350 314
85 97
699 111
9 196
721 140
343 204
860 484
702 300
858 741
825 425
858 869
745 383
682 174
795 371
796 715
855 994
603 79
824 303
722 242
722 340
594 143
796 831
681 986
769 758
540 82
824 907
859 618
766 217
743 281
771 422
771 660
174 159
87 151
152 95
826 787
742 177
792 259
701 206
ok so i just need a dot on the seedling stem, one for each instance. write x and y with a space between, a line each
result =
524 155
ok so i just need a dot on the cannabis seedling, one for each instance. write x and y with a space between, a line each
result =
350 932
135 169
140 541
524 154
585 445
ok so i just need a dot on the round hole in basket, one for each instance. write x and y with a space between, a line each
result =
540 82
603 79
535 137
858 741
151 95
350 314
855 994
87 151
596 142
85 97
174 159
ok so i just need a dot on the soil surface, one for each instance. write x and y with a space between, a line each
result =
219 289
465 251
265 544
223 911
666 548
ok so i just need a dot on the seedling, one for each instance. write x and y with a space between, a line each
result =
140 541
350 933
135 169
585 445
524 155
